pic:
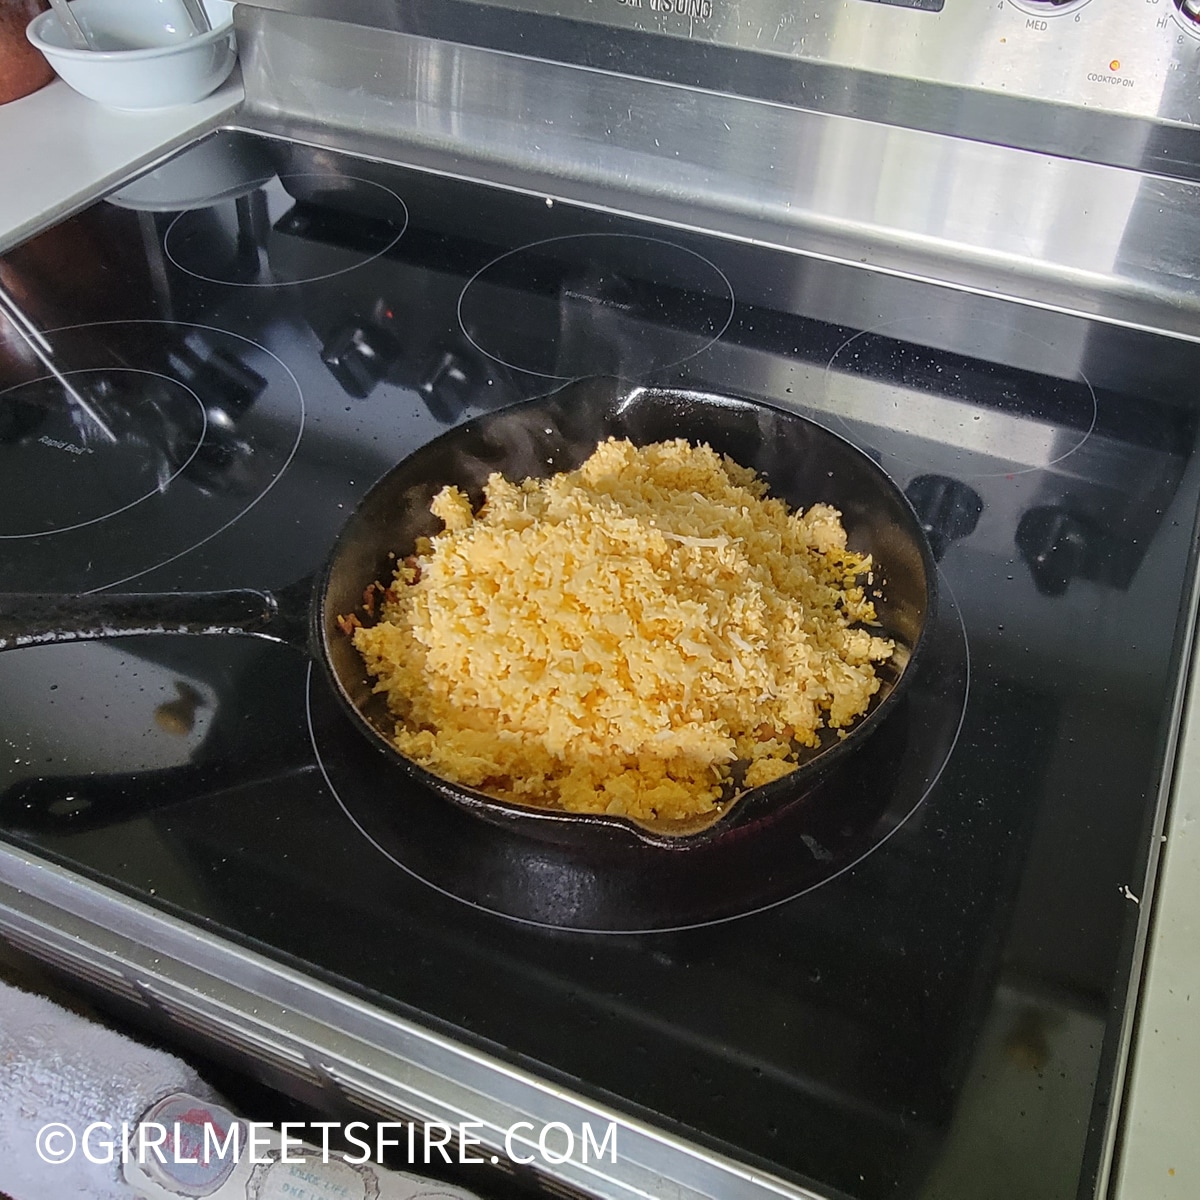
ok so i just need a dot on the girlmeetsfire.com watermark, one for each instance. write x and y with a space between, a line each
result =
299 1142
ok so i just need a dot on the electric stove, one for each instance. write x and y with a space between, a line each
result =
923 970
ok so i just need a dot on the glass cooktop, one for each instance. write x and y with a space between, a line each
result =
909 985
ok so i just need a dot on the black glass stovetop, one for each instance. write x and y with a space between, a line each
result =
913 985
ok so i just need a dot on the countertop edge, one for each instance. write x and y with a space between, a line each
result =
62 150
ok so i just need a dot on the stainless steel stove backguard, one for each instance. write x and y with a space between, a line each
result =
1107 80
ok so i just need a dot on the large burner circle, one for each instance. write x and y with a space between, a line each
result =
636 888
133 443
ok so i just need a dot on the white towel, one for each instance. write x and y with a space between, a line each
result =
56 1066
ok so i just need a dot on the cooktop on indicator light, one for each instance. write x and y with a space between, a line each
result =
922 965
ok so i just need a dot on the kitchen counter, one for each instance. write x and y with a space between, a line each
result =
61 150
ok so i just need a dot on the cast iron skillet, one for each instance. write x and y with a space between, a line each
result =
802 462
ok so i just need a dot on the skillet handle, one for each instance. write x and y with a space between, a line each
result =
36 620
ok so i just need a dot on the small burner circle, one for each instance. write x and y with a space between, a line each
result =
290 229
83 446
894 389
596 304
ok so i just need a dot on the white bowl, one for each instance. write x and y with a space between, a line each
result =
146 56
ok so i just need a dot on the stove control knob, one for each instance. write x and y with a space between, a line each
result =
948 509
1189 9
1056 545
